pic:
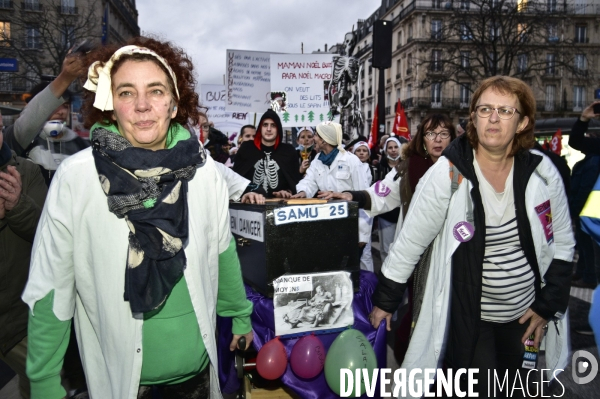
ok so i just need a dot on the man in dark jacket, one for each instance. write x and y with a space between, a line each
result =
267 161
22 194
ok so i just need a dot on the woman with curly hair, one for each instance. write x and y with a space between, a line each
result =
134 241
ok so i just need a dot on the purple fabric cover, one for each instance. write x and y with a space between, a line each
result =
264 330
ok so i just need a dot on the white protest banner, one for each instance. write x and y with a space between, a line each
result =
248 81
303 80
213 98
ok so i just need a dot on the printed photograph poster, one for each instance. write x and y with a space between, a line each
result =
248 81
303 80
213 97
311 302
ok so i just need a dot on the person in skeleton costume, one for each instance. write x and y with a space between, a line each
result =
267 161
346 72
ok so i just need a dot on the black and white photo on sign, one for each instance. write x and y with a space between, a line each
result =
310 302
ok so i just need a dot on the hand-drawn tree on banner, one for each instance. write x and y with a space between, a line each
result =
311 116
286 117
296 117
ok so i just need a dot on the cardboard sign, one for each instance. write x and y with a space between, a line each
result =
248 81
309 302
304 81
247 224
310 213
213 97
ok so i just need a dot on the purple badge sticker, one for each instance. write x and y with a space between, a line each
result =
381 189
463 231
544 212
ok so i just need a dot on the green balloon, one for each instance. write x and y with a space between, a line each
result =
350 350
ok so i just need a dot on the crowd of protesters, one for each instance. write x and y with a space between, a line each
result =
128 233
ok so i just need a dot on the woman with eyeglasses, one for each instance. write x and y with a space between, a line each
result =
500 264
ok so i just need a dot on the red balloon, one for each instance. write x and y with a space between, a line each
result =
308 357
271 361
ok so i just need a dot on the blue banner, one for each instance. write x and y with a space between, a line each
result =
9 65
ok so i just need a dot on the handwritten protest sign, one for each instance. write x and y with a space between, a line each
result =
248 81
304 78
213 97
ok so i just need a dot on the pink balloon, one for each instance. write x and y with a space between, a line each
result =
271 361
308 357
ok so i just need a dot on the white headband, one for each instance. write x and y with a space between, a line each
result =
391 139
361 144
99 80
300 130
331 133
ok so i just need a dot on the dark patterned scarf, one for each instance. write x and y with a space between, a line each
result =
148 189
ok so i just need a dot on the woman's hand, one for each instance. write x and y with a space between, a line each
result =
304 166
236 337
301 194
536 326
334 195
283 194
377 315
253 198
588 113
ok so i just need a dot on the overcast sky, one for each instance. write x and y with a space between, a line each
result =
206 29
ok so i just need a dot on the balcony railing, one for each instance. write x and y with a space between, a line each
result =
408 71
388 110
398 76
31 6
560 106
388 80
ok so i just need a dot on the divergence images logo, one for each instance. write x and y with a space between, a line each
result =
584 362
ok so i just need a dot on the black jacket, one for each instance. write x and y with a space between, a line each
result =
467 261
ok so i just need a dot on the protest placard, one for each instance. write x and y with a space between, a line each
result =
248 81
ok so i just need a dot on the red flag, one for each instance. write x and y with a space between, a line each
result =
374 128
400 122
556 143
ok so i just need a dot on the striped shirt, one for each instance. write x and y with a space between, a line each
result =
507 279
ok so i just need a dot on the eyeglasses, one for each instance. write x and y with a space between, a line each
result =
485 111
433 135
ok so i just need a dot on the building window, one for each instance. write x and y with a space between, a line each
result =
436 28
465 31
410 32
579 98
553 32
399 36
465 60
465 95
493 63
68 7
398 94
31 78
550 64
436 60
550 98
436 3
4 33
32 5
409 64
580 62
436 95
580 33
521 63
68 36
409 91
33 37
495 31
551 5
398 68
5 81
465 4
